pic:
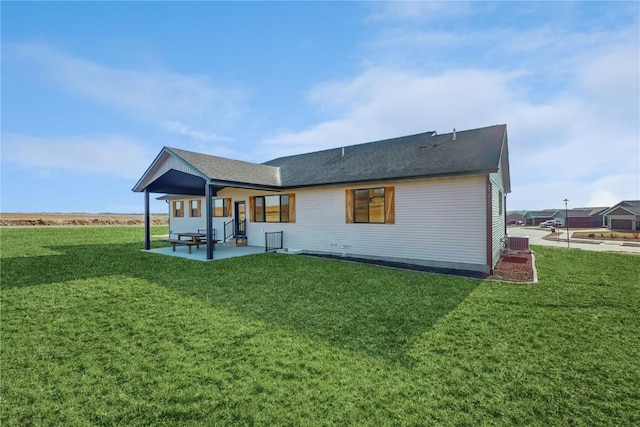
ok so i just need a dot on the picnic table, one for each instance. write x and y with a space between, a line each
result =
192 239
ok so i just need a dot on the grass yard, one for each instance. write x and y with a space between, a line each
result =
94 331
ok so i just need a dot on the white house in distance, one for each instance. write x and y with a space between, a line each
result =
430 199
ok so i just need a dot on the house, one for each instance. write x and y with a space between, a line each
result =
537 217
426 199
623 216
514 218
597 216
580 217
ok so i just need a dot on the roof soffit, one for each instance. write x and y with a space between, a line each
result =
164 162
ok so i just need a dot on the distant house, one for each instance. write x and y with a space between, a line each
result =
623 216
580 217
515 218
537 217
427 199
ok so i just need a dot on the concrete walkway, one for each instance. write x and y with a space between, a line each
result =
536 235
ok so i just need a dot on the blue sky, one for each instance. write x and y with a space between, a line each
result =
91 92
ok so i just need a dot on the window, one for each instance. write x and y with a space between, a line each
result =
194 208
371 205
221 207
272 208
178 208
500 202
277 208
259 212
284 205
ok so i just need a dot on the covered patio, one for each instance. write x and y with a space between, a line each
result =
183 172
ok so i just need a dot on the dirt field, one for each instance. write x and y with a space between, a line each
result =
57 219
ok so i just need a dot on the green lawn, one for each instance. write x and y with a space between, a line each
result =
94 331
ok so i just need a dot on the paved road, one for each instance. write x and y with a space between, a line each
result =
536 238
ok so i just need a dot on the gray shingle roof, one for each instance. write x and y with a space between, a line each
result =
630 205
421 155
228 170
542 213
426 154
576 212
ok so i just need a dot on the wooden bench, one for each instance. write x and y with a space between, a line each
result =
187 243
203 239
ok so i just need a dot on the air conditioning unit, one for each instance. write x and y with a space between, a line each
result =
517 243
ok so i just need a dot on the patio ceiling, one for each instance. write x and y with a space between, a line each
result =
176 182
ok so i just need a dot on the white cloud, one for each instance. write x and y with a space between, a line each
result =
112 155
612 79
550 192
569 96
182 129
610 189
418 10
567 146
382 103
157 95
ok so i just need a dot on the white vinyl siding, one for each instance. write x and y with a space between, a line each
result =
185 223
189 224
441 220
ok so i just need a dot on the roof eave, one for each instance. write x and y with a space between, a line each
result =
246 185
504 151
136 188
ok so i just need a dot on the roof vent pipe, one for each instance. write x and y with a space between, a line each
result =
342 152
454 134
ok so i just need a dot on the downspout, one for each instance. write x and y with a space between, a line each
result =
209 220
147 225
504 204
169 215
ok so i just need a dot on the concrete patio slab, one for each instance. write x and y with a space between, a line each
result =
200 254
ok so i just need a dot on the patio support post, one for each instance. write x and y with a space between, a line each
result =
147 222
209 220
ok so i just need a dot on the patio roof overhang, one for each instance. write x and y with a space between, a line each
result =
179 182
176 182
181 172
